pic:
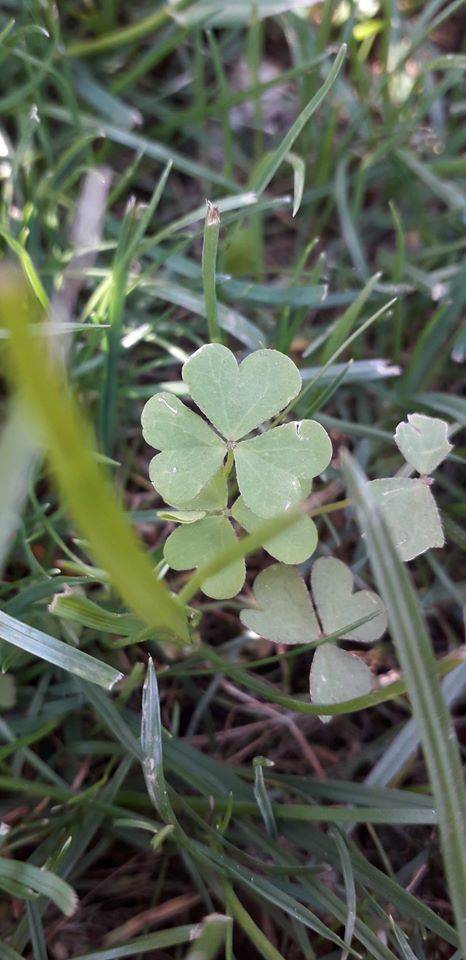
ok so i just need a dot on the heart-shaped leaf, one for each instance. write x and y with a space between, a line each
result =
294 545
191 546
423 441
410 513
191 452
285 613
213 496
338 606
270 467
237 399
337 676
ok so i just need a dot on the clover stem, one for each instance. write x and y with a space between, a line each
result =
209 264
228 463
330 507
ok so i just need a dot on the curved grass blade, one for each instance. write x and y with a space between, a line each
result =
41 881
267 690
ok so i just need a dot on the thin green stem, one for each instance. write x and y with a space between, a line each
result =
209 264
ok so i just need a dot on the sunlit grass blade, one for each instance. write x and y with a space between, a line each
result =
89 493
54 651
435 727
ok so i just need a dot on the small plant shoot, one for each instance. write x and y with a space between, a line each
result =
407 503
288 614
274 468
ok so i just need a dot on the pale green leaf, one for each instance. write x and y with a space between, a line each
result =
191 546
336 676
294 545
285 613
423 441
269 467
191 452
238 398
410 513
337 605
214 496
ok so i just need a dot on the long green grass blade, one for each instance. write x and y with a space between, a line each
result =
54 651
269 168
435 728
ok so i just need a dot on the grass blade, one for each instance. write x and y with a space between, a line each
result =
209 265
41 881
211 938
344 326
270 167
151 744
54 651
89 493
435 728
161 940
18 450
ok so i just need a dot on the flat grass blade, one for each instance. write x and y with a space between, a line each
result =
54 651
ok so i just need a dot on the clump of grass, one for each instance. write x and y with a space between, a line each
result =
117 124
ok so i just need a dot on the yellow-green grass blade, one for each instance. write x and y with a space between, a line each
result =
85 487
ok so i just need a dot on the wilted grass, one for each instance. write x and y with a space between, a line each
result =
334 848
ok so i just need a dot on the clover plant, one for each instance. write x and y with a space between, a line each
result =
407 503
286 613
193 472
202 463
